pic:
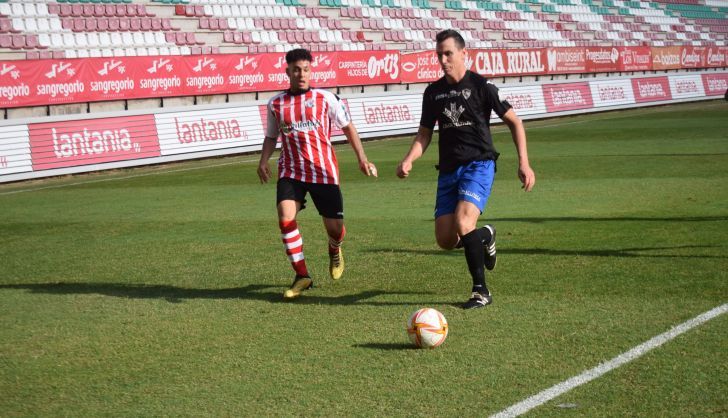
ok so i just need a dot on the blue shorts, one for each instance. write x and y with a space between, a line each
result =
470 182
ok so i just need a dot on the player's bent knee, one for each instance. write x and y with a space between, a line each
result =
447 243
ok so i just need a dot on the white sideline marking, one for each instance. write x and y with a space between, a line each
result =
589 375
494 130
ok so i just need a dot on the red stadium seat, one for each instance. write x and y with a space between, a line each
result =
135 24
91 24
6 25
123 25
102 24
114 24
131 9
5 40
76 9
146 24
31 41
18 42
79 25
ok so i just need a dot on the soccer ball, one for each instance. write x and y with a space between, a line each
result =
427 328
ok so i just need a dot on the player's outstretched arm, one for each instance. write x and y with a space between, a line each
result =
419 146
525 173
352 136
269 145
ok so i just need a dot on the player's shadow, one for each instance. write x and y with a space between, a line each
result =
386 346
254 292
615 218
635 252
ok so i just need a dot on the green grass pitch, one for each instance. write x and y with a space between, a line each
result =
157 291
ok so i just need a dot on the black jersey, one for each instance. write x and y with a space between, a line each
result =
462 111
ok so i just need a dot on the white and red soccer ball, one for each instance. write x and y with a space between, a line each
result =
427 328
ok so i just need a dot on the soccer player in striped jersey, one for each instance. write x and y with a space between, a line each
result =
302 117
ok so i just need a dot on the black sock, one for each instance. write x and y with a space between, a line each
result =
474 256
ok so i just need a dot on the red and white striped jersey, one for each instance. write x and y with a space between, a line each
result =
304 123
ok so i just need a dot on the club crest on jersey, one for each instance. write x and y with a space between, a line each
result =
310 103
466 94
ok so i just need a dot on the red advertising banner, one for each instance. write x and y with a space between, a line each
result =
419 67
715 84
566 60
602 59
651 89
43 82
693 57
666 58
48 82
495 62
92 141
571 96
374 67
717 56
635 58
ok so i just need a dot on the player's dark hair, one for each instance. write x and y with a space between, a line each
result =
450 33
298 54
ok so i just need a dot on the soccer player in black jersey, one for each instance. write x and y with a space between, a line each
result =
461 103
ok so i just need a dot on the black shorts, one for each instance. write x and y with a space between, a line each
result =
326 197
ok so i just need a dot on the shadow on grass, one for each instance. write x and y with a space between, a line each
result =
637 252
616 218
386 346
173 294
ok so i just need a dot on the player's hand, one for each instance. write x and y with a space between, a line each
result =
403 169
264 172
368 168
527 177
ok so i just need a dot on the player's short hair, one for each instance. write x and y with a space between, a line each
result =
450 33
298 54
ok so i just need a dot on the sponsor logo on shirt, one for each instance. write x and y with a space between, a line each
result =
454 113
454 93
306 125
